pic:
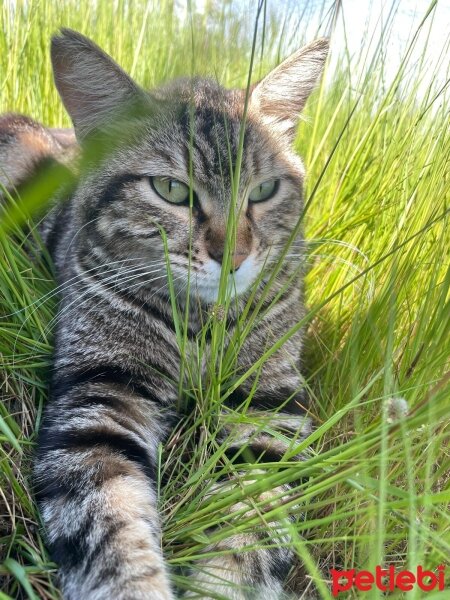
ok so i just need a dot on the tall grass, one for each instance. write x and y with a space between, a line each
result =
374 488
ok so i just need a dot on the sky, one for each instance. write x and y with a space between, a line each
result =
364 21
359 27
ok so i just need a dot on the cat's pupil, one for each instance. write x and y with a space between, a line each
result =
264 190
172 190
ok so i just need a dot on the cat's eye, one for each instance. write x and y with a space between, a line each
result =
264 191
172 190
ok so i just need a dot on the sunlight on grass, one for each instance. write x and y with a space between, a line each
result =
373 488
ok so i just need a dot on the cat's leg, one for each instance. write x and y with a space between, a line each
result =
95 480
275 424
231 567
26 145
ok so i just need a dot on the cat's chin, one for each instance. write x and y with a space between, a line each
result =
206 285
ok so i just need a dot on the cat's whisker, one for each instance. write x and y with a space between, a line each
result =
337 242
155 292
107 283
110 287
79 230
353 266
93 271
111 282
47 297
62 287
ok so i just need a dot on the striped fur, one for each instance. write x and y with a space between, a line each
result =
117 363
25 145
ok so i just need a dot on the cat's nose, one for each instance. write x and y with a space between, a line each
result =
237 258
215 242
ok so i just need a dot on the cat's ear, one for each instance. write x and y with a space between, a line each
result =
93 88
282 94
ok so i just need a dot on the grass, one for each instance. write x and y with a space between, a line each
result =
375 483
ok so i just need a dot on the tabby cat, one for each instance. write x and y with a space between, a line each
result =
170 165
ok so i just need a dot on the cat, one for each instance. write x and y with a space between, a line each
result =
114 383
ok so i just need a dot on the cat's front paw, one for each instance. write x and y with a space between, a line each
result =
240 574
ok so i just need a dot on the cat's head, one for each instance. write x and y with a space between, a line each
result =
184 159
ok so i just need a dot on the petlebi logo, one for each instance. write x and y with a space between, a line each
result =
386 579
